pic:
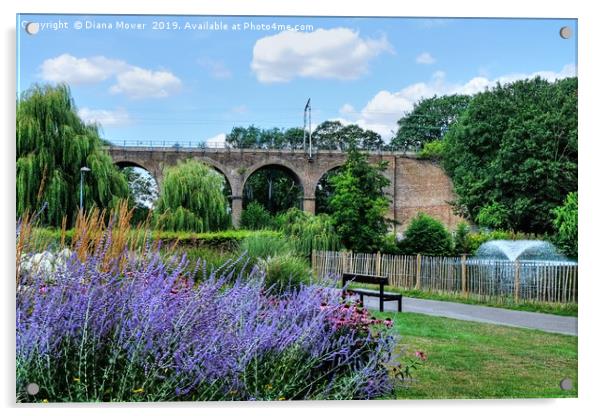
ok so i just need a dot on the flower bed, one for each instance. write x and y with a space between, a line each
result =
141 330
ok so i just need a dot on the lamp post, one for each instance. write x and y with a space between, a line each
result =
83 170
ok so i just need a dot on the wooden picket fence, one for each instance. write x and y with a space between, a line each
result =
484 279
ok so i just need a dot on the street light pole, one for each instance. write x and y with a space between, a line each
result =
83 170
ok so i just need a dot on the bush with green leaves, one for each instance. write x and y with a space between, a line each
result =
566 226
192 199
425 235
462 239
256 217
432 150
390 245
476 239
285 272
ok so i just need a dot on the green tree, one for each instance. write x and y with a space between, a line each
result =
255 138
566 226
255 217
333 135
512 155
359 204
429 120
53 144
192 199
143 188
425 235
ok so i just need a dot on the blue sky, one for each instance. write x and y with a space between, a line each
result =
182 83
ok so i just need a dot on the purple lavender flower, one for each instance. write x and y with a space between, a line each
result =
148 332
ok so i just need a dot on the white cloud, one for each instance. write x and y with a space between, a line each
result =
72 70
218 141
338 53
425 58
143 83
347 109
104 117
133 81
217 69
381 113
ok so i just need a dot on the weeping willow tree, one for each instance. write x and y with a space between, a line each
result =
192 199
53 144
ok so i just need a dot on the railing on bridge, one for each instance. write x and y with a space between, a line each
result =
190 144
201 145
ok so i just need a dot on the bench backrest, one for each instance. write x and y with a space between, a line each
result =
365 278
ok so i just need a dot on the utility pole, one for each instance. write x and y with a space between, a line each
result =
306 124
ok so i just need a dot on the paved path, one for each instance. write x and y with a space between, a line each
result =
545 322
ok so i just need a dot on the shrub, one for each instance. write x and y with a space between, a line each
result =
145 332
566 226
433 150
462 244
256 217
475 240
425 235
390 245
285 272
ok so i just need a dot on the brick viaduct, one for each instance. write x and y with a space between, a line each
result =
416 185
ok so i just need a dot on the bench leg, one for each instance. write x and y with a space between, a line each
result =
399 304
362 298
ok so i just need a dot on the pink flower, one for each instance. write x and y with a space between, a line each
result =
421 355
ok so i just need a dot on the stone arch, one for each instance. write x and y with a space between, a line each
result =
274 162
316 181
279 164
154 172
329 167
230 182
147 201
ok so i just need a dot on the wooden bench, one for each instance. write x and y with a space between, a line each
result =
381 281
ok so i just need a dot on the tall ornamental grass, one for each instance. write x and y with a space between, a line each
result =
140 329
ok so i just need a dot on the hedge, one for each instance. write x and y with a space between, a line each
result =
228 239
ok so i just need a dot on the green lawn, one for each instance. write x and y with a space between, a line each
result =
474 360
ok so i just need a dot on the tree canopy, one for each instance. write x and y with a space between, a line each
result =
329 135
253 137
512 155
333 135
192 199
429 120
566 225
53 144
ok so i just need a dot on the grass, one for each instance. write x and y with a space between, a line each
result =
570 309
469 360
